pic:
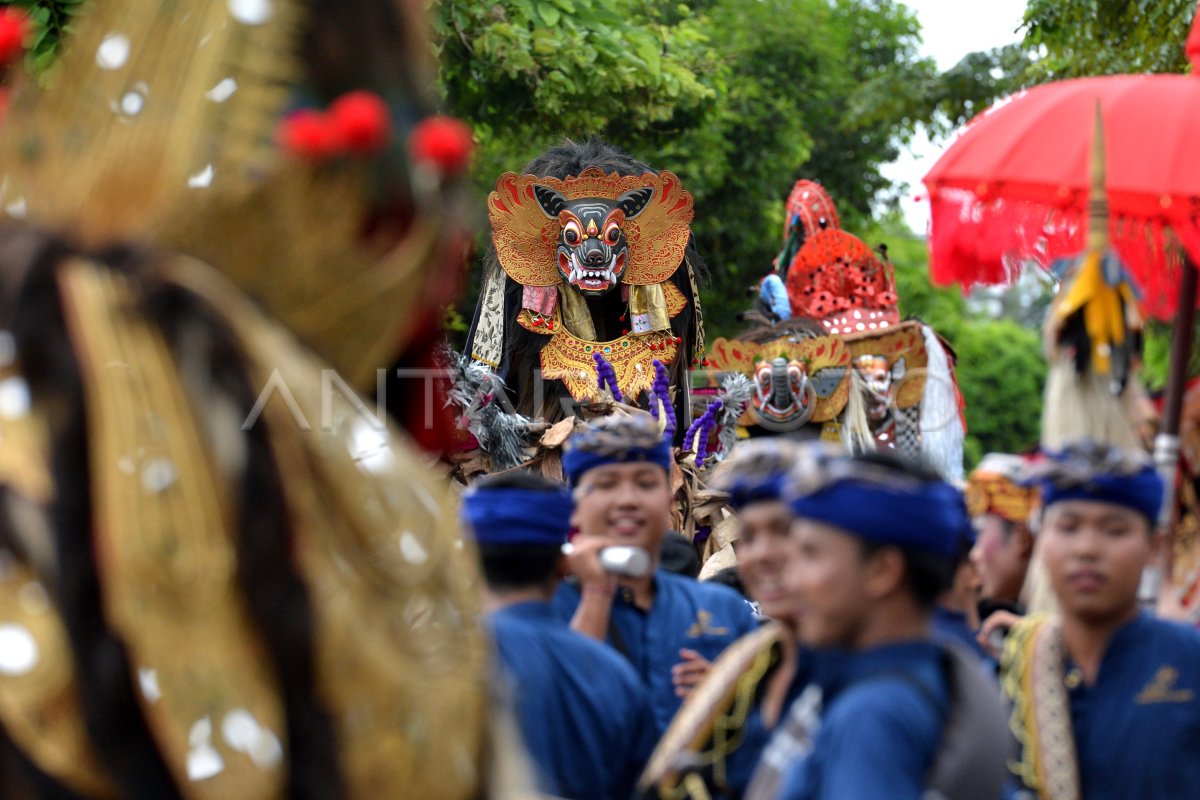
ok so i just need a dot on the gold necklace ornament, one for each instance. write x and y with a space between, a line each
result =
569 359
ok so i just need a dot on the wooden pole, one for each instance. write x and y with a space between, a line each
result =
1166 444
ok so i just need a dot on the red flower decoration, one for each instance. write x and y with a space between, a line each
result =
887 298
309 135
14 30
361 121
444 142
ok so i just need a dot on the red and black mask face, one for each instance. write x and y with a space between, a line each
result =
592 246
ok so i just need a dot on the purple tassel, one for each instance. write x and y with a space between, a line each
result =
701 428
606 376
661 390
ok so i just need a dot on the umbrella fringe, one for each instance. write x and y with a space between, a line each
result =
984 241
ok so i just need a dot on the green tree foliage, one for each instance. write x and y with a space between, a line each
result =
1076 38
1001 375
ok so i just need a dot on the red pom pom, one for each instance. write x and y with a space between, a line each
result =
14 29
362 122
309 135
443 141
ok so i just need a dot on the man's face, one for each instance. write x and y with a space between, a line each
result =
831 577
1095 553
1000 556
627 503
766 559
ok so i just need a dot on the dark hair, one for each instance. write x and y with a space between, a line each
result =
728 577
517 479
926 575
678 555
518 566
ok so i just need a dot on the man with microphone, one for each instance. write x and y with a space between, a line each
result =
583 712
670 628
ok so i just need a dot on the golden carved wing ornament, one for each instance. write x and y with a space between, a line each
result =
526 238
659 235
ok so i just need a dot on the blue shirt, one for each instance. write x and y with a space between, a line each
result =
1137 729
880 729
773 294
583 713
686 614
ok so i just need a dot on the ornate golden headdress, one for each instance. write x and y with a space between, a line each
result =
995 487
158 126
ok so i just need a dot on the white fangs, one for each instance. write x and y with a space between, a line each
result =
593 278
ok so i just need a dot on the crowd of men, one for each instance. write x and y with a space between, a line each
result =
857 664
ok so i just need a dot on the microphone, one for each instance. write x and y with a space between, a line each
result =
628 562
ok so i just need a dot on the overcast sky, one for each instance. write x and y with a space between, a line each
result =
950 29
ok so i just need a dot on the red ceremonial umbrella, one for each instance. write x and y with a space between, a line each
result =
1013 189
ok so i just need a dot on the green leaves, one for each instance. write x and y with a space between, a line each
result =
51 20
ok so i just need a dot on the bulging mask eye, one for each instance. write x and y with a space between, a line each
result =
572 235
612 232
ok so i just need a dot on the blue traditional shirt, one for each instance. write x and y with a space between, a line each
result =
583 712
773 294
686 614
880 729
1137 729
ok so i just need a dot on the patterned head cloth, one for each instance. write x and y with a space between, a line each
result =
615 440
995 487
1101 472
756 471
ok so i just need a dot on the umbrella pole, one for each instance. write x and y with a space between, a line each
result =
1166 444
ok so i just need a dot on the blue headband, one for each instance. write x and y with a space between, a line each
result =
755 489
579 460
929 516
1142 491
511 516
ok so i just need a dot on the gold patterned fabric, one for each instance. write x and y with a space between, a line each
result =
165 542
400 658
159 126
1033 678
995 493
571 359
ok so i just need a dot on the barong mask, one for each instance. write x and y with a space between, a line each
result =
593 248
592 231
